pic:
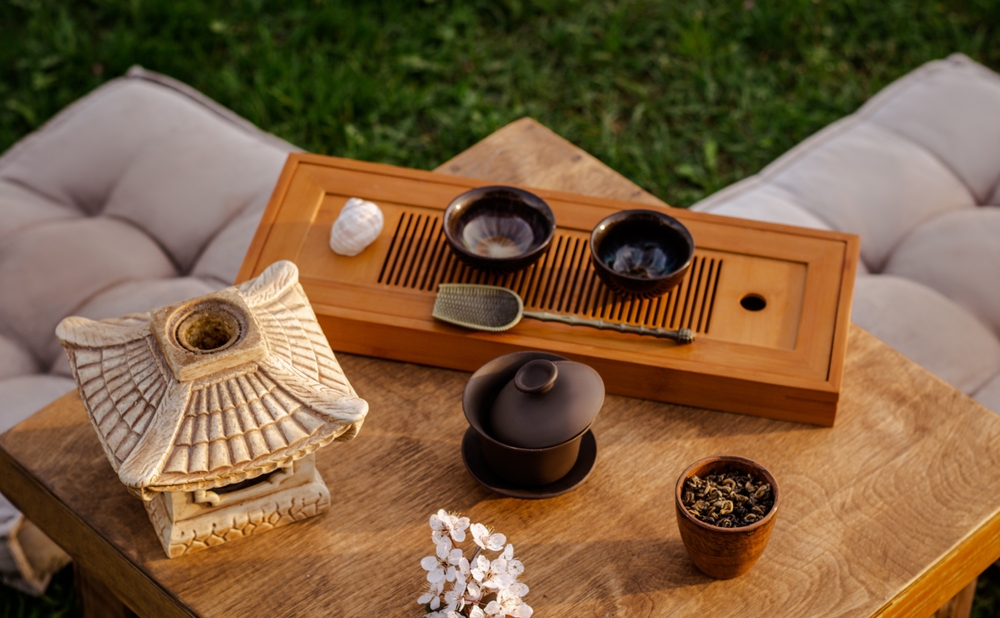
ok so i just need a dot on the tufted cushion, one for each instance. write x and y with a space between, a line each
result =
929 328
949 109
910 173
140 194
55 267
957 254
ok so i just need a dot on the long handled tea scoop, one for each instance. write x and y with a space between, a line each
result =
492 308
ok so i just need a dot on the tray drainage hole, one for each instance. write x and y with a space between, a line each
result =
753 302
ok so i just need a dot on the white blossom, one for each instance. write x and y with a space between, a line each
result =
472 580
440 568
492 574
484 538
444 525
432 596
473 592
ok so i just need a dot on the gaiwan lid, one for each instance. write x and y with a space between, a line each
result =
547 403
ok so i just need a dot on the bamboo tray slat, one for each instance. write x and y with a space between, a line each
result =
784 361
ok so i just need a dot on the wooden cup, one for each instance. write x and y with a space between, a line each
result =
724 553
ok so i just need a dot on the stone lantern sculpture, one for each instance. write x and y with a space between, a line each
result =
211 410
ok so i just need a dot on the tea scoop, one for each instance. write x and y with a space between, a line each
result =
493 308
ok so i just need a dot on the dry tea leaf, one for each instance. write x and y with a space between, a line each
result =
728 499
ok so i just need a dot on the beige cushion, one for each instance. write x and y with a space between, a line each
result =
184 188
130 188
952 110
870 182
15 360
50 270
22 207
958 255
140 194
928 328
763 201
24 395
908 173
989 394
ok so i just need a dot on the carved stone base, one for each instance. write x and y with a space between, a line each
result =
192 521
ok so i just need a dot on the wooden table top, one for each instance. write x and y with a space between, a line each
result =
889 513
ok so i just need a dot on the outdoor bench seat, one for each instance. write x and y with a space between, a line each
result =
916 174
140 194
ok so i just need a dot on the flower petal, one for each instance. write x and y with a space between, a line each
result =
515 567
496 541
444 548
435 576
428 563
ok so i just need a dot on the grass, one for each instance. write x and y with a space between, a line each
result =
682 97
57 602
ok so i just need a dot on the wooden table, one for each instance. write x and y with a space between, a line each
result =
890 513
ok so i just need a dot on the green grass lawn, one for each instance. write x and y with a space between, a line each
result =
682 97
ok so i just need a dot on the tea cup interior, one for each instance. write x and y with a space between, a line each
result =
499 228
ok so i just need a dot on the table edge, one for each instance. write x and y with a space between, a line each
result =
85 545
949 574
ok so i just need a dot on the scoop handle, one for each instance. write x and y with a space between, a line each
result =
682 336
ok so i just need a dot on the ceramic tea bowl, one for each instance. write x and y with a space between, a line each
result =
725 553
641 253
499 229
531 437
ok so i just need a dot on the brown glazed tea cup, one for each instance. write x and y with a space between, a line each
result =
725 553
498 228
641 253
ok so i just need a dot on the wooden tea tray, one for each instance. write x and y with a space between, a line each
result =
782 361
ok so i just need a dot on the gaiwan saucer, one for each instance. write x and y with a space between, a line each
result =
476 465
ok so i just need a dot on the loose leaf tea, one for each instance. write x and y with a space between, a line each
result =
728 499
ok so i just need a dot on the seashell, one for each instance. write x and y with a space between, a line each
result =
358 225
498 236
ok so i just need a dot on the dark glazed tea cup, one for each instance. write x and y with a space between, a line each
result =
641 253
525 467
499 229
725 553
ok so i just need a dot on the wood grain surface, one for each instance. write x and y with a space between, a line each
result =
883 515
848 542
528 153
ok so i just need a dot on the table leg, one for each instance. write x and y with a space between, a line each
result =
96 600
960 606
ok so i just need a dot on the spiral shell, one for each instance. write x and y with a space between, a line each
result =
359 224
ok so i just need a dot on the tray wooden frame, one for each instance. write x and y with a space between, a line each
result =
797 380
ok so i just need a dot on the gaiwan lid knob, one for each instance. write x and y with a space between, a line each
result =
547 403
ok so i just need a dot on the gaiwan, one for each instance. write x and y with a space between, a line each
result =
211 410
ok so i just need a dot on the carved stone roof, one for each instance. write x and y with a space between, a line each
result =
172 417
